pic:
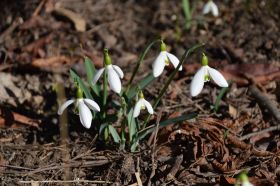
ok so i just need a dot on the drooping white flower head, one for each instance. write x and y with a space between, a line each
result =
204 74
114 73
163 59
84 106
246 183
210 6
142 104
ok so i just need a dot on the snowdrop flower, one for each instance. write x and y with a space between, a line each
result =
204 74
114 73
163 59
142 104
210 6
246 183
84 105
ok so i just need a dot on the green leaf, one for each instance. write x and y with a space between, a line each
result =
181 118
76 78
90 70
140 60
134 145
219 97
115 134
131 125
142 84
188 13
102 127
187 9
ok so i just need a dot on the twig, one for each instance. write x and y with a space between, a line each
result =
74 164
39 8
270 129
139 181
10 29
63 126
68 181
137 173
154 147
16 167
264 101
175 168
82 164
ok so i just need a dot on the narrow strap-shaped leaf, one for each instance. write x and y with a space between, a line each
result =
90 70
164 123
219 97
76 78
115 134
131 125
142 84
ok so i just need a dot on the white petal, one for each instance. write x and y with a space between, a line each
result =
217 77
198 81
97 75
207 8
148 106
118 70
137 108
64 106
214 9
159 64
85 114
114 80
246 183
92 105
174 60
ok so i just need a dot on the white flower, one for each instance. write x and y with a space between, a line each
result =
203 75
114 74
142 104
210 6
163 60
84 106
246 183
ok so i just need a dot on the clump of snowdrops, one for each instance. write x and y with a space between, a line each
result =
124 126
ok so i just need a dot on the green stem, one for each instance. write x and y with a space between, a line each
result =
171 77
105 92
139 62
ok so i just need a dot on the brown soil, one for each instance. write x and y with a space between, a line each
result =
39 44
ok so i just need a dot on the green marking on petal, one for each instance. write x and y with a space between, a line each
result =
207 78
166 62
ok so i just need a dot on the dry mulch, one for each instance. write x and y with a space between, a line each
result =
40 42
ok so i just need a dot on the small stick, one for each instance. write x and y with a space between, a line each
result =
175 168
264 101
67 181
139 181
270 129
39 8
10 29
63 126
154 147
